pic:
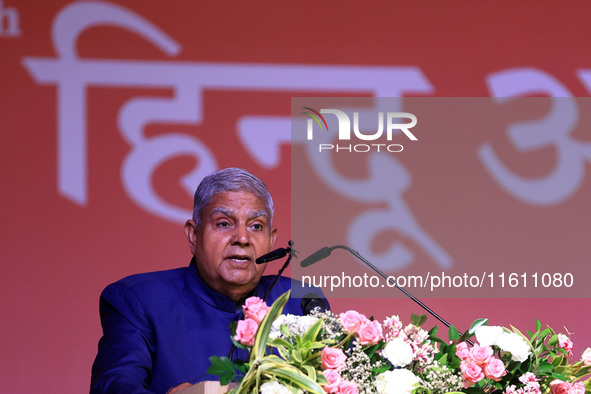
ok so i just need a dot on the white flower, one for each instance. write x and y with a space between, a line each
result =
516 345
488 335
305 322
295 324
281 320
274 387
398 352
507 341
398 381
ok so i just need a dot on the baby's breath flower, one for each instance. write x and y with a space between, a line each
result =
358 369
331 326
440 379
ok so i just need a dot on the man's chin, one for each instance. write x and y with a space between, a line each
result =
242 278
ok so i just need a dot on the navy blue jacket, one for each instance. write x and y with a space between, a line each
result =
160 328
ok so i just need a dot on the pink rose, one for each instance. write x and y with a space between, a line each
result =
577 388
586 356
565 343
334 380
559 387
255 309
370 332
246 331
332 358
495 369
352 320
348 387
481 355
462 350
471 373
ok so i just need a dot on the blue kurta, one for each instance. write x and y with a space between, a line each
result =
160 328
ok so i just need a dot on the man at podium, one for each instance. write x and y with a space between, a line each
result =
160 328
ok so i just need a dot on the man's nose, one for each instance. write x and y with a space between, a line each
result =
241 235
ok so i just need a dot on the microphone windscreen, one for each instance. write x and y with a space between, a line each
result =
273 255
316 256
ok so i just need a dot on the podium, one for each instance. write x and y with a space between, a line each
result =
207 387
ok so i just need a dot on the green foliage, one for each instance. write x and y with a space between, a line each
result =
223 367
477 323
295 364
453 333
294 360
418 320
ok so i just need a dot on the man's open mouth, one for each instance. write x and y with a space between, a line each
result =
239 258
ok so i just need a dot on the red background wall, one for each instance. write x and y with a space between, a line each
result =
58 252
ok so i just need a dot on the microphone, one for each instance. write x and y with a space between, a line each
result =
312 302
273 255
317 256
326 251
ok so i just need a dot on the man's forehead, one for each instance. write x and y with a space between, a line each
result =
234 202
252 213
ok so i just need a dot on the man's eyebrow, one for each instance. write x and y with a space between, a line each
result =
230 213
223 211
256 214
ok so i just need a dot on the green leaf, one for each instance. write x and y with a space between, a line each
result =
321 379
223 367
233 325
317 345
312 333
284 330
296 356
260 344
283 352
546 367
418 320
453 333
433 332
558 376
538 325
583 371
310 371
438 340
553 341
241 366
292 375
544 333
238 344
384 368
477 323
280 342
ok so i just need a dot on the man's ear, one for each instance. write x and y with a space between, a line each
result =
273 237
191 234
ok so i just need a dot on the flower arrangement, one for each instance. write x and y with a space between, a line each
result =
350 353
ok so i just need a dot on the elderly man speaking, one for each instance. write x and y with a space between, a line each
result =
160 328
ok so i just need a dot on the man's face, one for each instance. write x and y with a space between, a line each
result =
234 231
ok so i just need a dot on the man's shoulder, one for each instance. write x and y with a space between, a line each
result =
148 282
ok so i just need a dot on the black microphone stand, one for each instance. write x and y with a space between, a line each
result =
289 250
391 281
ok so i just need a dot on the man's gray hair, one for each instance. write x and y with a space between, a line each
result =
229 180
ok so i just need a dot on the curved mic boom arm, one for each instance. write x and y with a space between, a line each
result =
391 281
